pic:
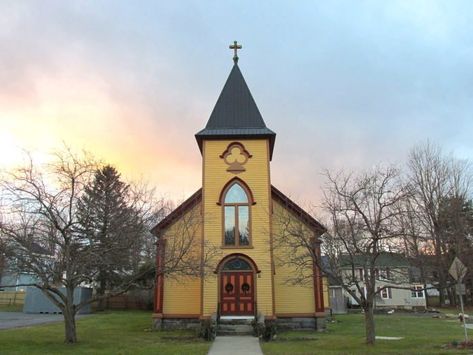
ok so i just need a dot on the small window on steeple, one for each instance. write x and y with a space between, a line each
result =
236 216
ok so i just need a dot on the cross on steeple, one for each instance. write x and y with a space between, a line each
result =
235 46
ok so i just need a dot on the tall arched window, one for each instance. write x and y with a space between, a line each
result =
236 215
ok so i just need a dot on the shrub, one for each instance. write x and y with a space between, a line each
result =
208 329
264 330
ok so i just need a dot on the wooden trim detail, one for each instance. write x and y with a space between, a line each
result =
175 316
202 241
298 211
159 285
243 149
295 315
177 212
244 185
235 167
301 315
317 279
222 203
255 270
236 256
181 316
271 244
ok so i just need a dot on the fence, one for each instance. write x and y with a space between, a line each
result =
12 298
131 300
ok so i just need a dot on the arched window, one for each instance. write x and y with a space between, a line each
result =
237 264
236 215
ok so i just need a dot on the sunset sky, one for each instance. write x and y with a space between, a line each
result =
344 84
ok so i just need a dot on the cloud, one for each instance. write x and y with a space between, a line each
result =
344 84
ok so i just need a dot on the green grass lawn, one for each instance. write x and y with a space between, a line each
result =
129 333
103 333
422 335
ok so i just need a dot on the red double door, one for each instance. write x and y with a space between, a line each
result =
237 293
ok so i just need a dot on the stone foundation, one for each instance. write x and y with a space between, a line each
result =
175 323
290 323
296 323
320 324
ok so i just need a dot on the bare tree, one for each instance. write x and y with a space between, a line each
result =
40 212
362 210
433 179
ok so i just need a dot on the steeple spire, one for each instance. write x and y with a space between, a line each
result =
235 46
235 115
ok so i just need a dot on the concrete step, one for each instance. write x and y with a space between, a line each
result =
235 321
234 329
222 333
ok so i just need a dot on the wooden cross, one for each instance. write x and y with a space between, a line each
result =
235 46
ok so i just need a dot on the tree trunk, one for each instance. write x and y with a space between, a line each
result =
369 324
70 328
69 318
101 291
452 297
426 295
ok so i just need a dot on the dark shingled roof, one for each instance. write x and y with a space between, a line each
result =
235 114
384 259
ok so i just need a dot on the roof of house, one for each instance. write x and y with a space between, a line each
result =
38 249
197 197
384 259
235 114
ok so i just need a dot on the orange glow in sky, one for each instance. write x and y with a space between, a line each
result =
84 116
345 85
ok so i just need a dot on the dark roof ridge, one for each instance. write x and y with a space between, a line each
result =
177 212
316 225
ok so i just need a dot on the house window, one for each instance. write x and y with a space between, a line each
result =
417 292
236 214
386 293
384 274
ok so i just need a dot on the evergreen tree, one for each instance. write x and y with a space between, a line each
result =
111 226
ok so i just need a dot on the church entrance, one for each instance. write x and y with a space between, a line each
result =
237 288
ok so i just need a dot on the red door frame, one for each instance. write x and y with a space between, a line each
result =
239 299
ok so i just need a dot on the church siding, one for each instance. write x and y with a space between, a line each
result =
182 295
290 299
256 177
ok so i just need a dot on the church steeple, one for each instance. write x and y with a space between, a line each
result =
235 114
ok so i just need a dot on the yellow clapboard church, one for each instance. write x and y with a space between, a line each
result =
231 219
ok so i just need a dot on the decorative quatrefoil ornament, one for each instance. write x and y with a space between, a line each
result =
235 156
